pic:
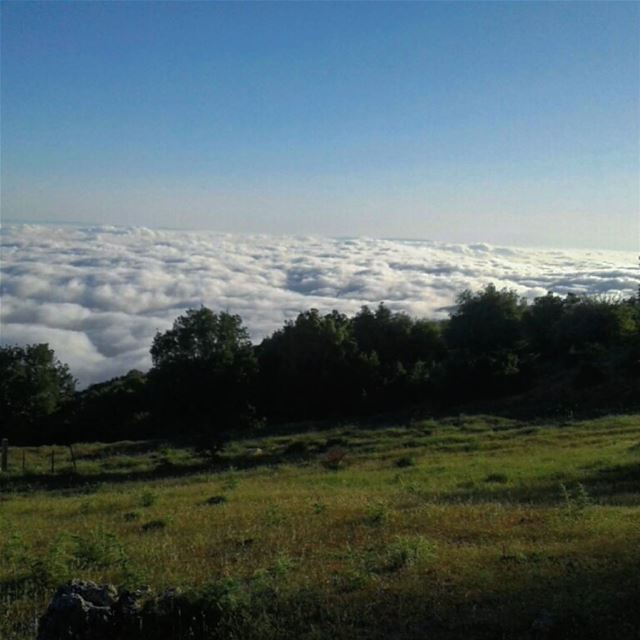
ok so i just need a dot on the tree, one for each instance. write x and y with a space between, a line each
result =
487 321
308 369
34 385
485 338
116 409
202 376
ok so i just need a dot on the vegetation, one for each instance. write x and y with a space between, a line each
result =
555 356
489 528
34 385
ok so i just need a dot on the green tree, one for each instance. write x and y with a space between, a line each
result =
309 367
487 321
202 375
485 339
116 409
34 385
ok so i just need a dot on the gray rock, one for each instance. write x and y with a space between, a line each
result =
79 610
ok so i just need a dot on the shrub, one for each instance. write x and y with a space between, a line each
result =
377 514
406 552
148 498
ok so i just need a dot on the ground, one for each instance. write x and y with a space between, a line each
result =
473 527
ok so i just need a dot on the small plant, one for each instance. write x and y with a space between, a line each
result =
148 498
231 483
283 565
319 507
214 500
130 516
98 550
377 514
273 516
406 552
576 500
56 566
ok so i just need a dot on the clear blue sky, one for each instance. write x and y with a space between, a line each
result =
512 123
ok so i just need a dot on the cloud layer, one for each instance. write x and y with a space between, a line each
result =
98 295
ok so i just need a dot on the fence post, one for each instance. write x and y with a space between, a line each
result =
5 453
73 458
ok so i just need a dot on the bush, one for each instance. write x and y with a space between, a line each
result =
406 552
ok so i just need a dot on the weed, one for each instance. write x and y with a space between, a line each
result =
231 483
407 552
214 500
283 565
148 498
319 507
405 461
576 500
100 549
273 516
377 514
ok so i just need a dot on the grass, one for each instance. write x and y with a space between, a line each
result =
490 529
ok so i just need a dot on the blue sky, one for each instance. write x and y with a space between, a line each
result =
511 123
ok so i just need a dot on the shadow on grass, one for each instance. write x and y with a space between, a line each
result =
73 483
527 599
618 484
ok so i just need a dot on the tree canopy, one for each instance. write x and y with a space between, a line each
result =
34 385
203 370
208 379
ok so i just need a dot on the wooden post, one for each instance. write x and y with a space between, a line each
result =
53 460
73 459
5 453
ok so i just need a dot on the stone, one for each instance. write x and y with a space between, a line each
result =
84 610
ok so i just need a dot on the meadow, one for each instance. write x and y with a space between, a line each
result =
469 527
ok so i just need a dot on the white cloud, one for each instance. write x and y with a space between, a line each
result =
99 294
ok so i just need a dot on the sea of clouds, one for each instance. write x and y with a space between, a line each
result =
98 295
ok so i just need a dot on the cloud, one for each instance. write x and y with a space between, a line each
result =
98 295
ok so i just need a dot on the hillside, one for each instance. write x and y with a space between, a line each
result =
471 527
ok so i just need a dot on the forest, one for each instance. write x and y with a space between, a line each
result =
554 356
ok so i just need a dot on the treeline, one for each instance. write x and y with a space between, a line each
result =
208 380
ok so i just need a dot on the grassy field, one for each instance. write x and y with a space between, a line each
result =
474 527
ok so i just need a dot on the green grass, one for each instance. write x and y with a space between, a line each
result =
490 529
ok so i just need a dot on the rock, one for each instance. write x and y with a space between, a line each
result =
79 610
83 610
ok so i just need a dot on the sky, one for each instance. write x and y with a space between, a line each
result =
511 123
